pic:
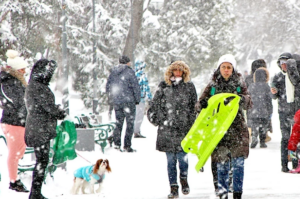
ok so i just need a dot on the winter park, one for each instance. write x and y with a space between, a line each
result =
149 99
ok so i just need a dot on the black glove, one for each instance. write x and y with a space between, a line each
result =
203 103
137 103
61 114
200 105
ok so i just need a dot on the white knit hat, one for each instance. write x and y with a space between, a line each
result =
15 61
227 58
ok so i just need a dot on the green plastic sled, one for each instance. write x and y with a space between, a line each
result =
210 126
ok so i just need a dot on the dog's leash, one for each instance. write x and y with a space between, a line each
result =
82 157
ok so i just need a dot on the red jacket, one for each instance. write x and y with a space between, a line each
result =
295 136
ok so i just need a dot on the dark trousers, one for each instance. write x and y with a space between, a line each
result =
38 176
285 127
172 158
259 128
122 111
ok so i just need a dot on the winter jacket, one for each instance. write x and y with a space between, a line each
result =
143 81
40 103
261 96
284 108
87 172
122 85
293 70
295 136
12 97
172 109
236 139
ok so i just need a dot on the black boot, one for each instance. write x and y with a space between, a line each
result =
18 186
138 135
184 185
174 192
237 195
263 145
34 195
254 142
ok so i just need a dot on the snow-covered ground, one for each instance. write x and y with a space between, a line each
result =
144 174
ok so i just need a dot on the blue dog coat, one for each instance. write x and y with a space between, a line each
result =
87 172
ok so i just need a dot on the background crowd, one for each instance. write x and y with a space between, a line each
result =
173 109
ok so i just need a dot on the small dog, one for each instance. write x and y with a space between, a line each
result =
89 176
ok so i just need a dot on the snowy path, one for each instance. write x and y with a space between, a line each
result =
144 174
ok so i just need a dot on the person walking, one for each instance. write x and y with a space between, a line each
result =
249 80
262 109
41 120
145 96
172 110
14 114
235 142
282 90
124 92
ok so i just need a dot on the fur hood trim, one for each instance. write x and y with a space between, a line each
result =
267 72
181 66
15 74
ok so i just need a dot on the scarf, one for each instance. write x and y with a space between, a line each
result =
290 89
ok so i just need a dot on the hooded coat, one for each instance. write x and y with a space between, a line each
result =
254 66
236 139
122 85
40 103
284 108
260 96
12 97
172 109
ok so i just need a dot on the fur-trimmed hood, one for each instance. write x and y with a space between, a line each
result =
181 66
259 75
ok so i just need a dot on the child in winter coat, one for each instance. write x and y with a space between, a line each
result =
295 140
262 109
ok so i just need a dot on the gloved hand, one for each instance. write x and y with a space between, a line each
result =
203 103
200 104
137 103
61 113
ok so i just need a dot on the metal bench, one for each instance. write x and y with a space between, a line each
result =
102 131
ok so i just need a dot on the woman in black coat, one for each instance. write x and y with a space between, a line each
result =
41 121
172 109
261 112
14 114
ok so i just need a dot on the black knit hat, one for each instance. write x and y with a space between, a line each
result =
124 59
285 56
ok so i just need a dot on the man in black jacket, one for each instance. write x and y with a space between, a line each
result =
124 93
280 89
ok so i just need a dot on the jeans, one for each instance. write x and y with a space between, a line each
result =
172 158
238 175
122 111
